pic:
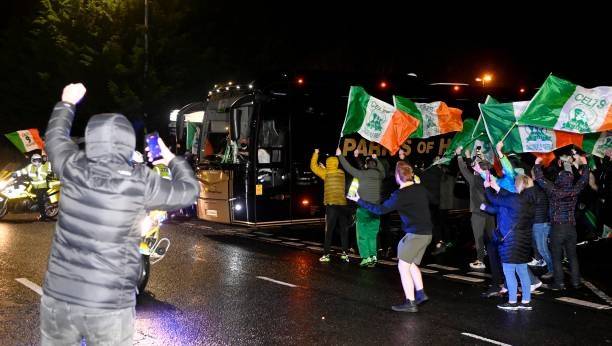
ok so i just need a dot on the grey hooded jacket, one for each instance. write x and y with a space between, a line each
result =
94 260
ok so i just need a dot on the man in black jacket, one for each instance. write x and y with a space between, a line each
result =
90 285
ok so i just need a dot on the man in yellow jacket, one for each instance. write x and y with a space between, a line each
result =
336 213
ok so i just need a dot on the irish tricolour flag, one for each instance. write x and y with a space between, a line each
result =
597 143
435 118
376 120
564 106
26 140
500 122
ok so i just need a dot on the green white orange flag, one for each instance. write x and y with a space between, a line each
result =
376 120
26 140
461 139
500 122
435 118
564 106
597 144
479 129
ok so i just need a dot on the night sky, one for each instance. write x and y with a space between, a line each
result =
519 49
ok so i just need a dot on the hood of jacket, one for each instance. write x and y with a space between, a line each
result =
109 137
331 163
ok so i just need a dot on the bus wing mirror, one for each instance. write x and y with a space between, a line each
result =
235 124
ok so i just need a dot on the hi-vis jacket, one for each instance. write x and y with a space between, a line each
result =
38 175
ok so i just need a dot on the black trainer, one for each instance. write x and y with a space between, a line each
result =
508 306
525 306
408 306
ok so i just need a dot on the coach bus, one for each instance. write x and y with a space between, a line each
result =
254 142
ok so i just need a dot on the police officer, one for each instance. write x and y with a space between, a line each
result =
37 172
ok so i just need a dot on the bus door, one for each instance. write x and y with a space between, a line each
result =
272 168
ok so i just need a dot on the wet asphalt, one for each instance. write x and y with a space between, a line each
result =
214 288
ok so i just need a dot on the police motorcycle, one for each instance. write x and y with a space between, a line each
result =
17 196
153 247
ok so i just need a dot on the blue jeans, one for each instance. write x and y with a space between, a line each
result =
510 271
540 235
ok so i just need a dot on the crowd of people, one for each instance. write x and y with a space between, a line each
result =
522 215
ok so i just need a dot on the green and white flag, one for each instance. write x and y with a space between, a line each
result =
480 128
564 106
501 124
597 143
377 121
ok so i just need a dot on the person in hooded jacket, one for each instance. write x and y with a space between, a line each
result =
562 198
336 214
89 290
514 222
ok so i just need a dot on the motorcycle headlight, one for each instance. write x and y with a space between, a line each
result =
145 225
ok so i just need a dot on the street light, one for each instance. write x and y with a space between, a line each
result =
484 79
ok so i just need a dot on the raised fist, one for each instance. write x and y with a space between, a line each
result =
73 93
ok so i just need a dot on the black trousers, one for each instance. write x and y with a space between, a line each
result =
495 265
336 218
563 237
41 199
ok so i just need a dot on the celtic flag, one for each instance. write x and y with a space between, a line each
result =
501 120
435 118
564 106
376 120
26 140
597 144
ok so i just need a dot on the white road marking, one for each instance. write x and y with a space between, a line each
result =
389 263
482 275
29 284
463 278
312 243
584 303
274 240
485 339
598 292
276 281
438 266
293 243
428 271
263 234
289 239
315 248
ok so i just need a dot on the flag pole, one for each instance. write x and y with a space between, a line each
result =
507 133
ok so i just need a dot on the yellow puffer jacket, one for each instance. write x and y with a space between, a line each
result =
333 178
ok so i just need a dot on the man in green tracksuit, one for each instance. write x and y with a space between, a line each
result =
370 180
